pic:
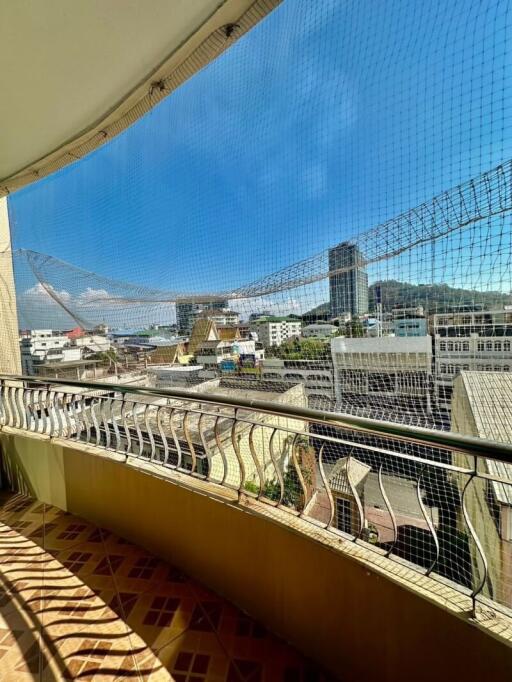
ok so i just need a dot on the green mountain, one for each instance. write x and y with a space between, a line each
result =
433 297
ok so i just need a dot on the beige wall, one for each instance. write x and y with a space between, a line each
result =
10 359
353 617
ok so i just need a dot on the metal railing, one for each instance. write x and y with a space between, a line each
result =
439 502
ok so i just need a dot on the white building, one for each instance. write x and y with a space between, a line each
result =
94 343
226 317
319 331
43 346
383 368
272 331
479 340
249 347
212 353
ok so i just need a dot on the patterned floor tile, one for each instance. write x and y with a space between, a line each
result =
78 602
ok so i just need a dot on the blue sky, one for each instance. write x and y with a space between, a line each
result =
327 119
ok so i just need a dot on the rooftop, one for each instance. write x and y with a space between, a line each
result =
490 398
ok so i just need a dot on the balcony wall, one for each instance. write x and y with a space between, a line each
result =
362 616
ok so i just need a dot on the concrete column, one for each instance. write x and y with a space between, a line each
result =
10 358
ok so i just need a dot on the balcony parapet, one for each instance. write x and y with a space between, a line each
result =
411 495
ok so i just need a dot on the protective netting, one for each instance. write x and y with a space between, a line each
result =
327 204
321 217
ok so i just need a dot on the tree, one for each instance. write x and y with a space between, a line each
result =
354 328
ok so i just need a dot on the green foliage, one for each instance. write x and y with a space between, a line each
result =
300 349
109 356
354 328
252 487
292 491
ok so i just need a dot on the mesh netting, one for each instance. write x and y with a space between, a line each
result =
327 204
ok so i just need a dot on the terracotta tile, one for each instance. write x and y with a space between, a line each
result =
197 650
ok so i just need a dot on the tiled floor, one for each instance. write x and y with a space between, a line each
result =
77 602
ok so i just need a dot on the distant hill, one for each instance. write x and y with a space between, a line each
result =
433 297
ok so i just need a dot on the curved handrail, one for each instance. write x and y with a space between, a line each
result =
416 434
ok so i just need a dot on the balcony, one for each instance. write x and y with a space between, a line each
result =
331 525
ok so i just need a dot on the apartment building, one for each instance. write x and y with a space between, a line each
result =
187 313
348 280
44 346
273 331
472 341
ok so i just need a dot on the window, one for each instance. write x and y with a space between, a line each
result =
488 345
443 369
466 367
481 346
450 346
465 346
506 368
442 345
506 345
497 368
343 515
497 345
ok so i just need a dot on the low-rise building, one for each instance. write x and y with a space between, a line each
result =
319 331
315 375
273 331
385 371
44 346
410 326
93 343
472 341
213 353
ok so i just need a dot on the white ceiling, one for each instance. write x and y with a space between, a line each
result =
66 65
